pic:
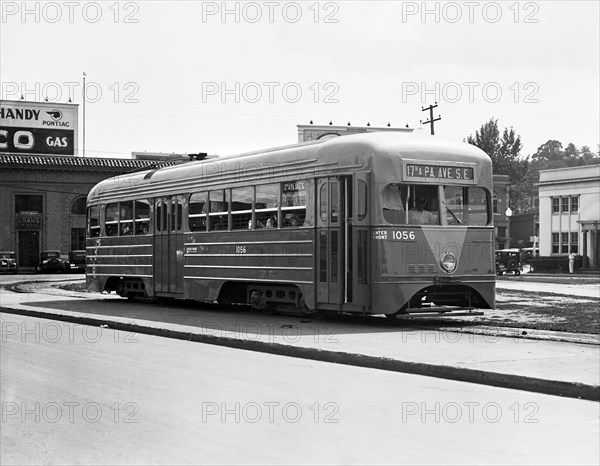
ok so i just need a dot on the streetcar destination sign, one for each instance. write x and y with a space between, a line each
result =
439 172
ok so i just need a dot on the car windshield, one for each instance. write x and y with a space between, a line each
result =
51 255
7 255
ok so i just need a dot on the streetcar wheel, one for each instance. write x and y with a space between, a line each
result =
257 300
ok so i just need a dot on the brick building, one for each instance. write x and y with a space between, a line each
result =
43 201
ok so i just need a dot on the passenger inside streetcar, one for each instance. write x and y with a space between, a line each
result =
420 215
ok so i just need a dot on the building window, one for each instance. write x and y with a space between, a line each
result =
574 203
555 205
575 242
77 239
564 243
78 206
555 243
495 203
29 203
565 204
501 232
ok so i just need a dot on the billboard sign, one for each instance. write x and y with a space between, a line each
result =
46 128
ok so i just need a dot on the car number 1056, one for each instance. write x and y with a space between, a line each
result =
403 235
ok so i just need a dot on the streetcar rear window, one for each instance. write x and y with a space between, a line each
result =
93 221
111 216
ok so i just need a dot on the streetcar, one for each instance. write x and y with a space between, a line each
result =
376 223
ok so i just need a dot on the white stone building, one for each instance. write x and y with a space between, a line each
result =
570 212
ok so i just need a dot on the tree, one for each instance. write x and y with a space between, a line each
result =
588 156
505 153
549 155
487 138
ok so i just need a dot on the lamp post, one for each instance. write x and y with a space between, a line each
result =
508 214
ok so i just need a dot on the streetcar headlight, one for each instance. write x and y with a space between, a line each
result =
448 262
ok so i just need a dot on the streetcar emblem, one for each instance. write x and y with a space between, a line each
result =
448 261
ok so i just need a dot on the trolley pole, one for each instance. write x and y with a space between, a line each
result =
431 119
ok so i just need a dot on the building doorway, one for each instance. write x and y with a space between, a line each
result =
29 249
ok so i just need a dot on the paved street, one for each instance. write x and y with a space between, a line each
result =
98 396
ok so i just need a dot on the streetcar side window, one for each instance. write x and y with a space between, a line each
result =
361 201
142 217
176 213
478 207
198 209
219 209
93 221
126 218
158 215
266 204
241 207
293 209
111 219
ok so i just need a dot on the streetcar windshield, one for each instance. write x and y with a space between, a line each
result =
428 205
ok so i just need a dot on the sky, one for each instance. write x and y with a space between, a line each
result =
230 77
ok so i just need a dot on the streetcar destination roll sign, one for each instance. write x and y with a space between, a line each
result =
439 172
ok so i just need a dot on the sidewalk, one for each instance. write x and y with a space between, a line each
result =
557 368
582 290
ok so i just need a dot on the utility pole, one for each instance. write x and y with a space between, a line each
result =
84 113
431 119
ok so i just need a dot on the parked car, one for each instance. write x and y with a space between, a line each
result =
8 262
77 261
508 260
51 262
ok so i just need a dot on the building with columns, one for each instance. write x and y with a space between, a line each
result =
569 213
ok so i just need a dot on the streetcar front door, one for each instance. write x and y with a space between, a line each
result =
168 245
334 251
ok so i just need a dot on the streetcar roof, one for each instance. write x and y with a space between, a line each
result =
305 159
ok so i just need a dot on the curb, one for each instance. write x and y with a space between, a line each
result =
510 381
